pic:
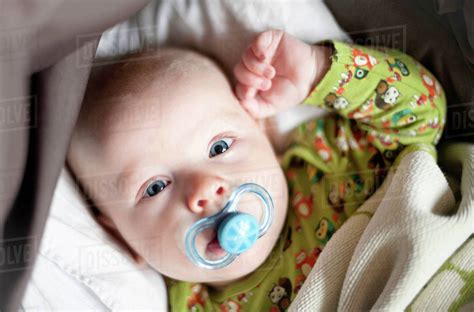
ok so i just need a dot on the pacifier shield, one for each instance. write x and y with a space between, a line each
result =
238 232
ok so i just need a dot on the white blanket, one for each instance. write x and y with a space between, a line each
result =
382 257
221 28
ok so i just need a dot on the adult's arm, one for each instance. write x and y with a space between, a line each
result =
46 49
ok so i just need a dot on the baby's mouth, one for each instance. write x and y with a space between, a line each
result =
213 249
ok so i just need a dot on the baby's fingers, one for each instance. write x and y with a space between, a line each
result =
253 64
258 108
244 92
246 77
266 44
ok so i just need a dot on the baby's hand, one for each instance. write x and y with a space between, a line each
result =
278 71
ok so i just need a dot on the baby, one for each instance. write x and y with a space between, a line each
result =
162 140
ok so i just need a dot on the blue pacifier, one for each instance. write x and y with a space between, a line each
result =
236 231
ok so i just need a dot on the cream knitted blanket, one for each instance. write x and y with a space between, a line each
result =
411 233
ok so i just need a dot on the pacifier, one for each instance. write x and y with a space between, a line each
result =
236 231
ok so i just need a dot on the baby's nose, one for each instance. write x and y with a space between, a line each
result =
207 194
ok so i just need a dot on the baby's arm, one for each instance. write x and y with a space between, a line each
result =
388 94
278 71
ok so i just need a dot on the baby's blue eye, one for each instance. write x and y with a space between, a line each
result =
155 187
220 147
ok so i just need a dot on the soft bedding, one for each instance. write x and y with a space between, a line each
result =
393 253
80 267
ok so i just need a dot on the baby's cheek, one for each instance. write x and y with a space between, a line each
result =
162 254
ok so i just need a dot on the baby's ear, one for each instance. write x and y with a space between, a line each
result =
111 228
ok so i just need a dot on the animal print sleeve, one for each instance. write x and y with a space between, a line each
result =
387 93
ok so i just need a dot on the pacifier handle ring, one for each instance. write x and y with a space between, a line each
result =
230 207
267 203
197 259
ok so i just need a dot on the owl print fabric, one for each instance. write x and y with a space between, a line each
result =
385 105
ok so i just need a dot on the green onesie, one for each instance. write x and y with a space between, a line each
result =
386 105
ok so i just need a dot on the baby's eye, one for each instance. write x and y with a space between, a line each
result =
220 146
155 187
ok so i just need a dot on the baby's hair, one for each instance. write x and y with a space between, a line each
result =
130 75
163 63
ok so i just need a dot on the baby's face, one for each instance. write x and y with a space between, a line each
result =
177 152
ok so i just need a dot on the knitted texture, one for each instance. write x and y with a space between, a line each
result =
383 261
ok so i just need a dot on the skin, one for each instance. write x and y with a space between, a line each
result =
149 121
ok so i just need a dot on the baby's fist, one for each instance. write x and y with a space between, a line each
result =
277 71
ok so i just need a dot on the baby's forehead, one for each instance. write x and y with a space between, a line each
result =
136 73
144 87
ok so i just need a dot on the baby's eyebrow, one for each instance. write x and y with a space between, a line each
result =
217 120
128 179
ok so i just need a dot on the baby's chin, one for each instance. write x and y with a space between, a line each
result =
247 263
243 266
